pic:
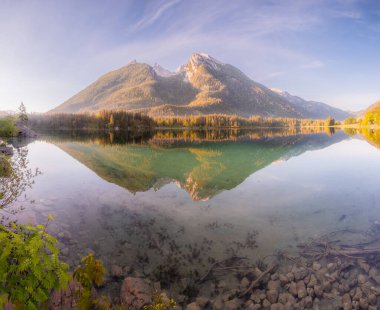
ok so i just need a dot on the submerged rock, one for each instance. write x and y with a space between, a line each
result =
193 306
135 292
116 271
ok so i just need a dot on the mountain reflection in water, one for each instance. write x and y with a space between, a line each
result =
204 163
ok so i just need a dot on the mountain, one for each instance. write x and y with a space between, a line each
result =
314 108
204 85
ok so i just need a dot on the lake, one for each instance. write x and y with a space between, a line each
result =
168 205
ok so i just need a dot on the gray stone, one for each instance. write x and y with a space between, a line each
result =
193 306
273 285
316 266
301 289
116 271
293 288
374 275
363 265
135 292
232 304
250 305
283 279
274 277
363 303
65 251
318 290
202 301
358 294
290 276
372 299
299 273
277 306
362 279
244 283
266 303
346 302
272 296
218 304
331 267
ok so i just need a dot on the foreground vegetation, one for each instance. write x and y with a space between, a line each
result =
31 271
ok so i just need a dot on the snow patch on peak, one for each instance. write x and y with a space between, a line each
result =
277 90
205 60
161 71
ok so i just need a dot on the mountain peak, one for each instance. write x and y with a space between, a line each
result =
198 59
161 71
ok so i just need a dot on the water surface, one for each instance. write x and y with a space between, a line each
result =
168 205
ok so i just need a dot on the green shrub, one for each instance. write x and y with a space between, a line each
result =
8 127
29 266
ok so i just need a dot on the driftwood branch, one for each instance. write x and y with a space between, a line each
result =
218 263
256 281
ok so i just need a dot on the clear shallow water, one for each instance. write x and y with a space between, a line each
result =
171 206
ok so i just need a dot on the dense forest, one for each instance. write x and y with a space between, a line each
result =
119 120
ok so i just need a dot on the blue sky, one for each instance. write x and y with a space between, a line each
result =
325 50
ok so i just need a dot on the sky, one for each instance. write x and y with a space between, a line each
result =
323 50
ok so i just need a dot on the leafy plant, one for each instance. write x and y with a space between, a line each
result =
88 274
160 302
29 265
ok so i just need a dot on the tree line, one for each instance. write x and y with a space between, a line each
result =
120 120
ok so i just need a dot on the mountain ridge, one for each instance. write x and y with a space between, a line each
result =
204 85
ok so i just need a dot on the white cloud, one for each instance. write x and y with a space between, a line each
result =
153 16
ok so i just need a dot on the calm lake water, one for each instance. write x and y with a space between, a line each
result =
168 205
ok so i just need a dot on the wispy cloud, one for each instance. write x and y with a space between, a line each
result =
153 16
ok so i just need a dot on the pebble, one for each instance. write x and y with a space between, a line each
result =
202 302
316 266
290 276
116 271
277 306
244 283
192 306
331 267
232 304
266 303
65 251
362 279
308 302
273 285
293 288
301 289
272 296
363 303
217 304
346 302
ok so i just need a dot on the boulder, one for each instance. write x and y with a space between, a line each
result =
135 292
